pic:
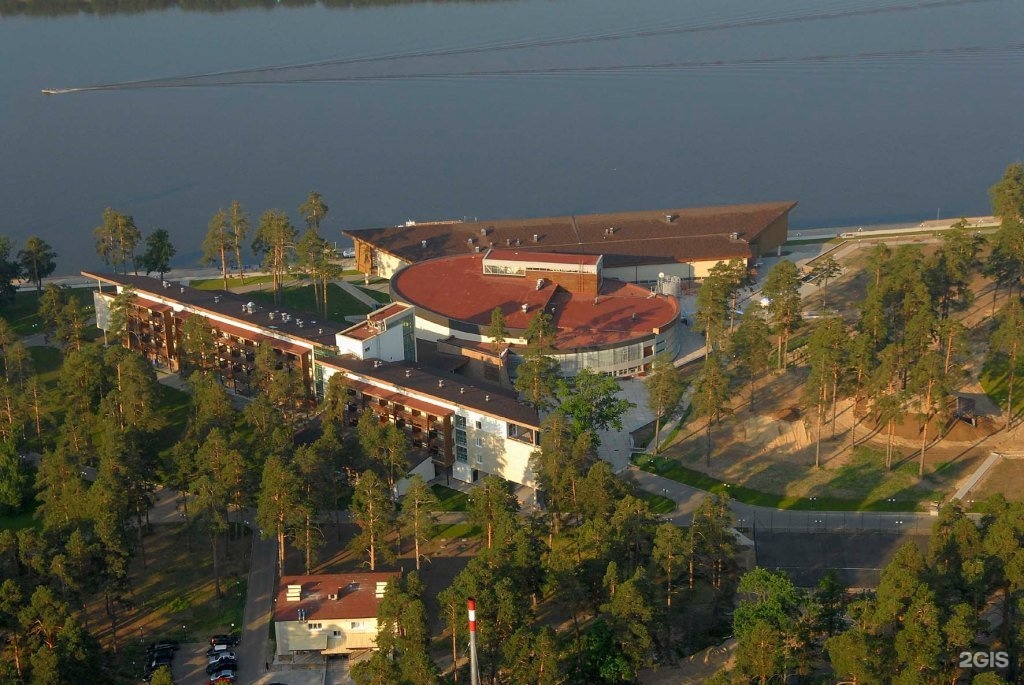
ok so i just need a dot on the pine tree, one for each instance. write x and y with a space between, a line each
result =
782 288
1007 345
752 346
278 504
239 222
274 241
217 246
498 331
417 520
664 389
537 378
710 399
492 506
373 511
824 271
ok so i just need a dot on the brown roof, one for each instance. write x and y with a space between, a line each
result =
229 305
390 310
694 234
453 389
399 398
354 601
457 288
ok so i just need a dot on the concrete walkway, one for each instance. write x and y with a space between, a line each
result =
357 293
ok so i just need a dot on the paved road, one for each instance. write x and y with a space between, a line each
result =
253 652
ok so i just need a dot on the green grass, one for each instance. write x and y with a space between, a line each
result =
19 521
383 298
47 362
218 283
174 406
451 499
23 312
339 303
458 530
659 503
995 377
866 469
213 616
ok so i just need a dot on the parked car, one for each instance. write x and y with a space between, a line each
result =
217 649
349 252
158 659
222 666
229 640
164 644
222 677
220 656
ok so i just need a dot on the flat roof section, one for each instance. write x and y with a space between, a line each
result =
551 257
456 288
228 305
356 596
387 312
449 388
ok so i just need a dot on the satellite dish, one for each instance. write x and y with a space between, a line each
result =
661 275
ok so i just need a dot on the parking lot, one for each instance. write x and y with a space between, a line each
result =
189 668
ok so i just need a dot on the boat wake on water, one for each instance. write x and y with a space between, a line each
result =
300 73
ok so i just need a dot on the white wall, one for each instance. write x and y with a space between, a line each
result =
425 470
294 635
648 272
491 452
387 345
388 265
428 330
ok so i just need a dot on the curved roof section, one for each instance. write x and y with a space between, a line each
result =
647 237
457 288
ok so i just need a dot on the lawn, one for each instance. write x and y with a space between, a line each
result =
451 499
174 407
233 280
24 519
864 476
173 594
23 312
995 377
659 503
340 304
383 298
47 362
457 530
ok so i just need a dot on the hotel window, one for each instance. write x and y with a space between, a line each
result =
461 454
460 421
479 425
355 625
315 626
479 442
460 437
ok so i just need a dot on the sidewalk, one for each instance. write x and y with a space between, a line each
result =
357 293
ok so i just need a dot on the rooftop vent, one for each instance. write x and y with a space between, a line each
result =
408 373
610 230
300 323
182 288
634 316
294 593
536 237
734 236
470 240
332 596
167 284
216 298
440 382
669 218
508 242
376 363
321 331
483 231
487 398
525 307
540 283
518 242
477 248
378 591
462 391
286 317
272 315
423 243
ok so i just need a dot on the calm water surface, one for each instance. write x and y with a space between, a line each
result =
855 140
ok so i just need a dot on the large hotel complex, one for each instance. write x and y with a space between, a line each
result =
425 362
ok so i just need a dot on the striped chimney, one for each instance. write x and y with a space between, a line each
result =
471 605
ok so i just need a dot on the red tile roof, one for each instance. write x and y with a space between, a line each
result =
390 310
456 288
391 396
351 603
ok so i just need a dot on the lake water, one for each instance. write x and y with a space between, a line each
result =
855 136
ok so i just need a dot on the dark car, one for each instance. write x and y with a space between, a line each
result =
162 645
160 659
229 640
218 656
222 665
217 649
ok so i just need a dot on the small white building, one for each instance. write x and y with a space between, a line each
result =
329 613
